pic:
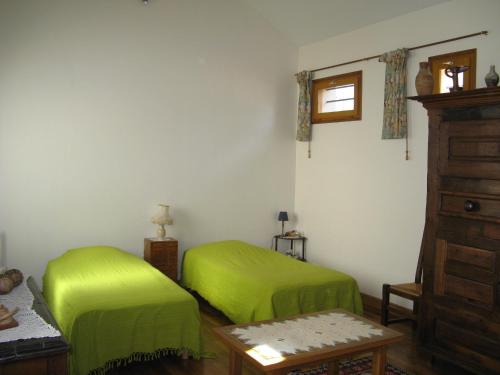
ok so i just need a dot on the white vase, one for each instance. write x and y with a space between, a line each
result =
491 78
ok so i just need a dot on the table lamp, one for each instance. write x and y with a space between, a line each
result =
162 218
283 216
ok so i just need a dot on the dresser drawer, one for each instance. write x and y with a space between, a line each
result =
469 290
466 273
164 245
473 344
471 256
481 234
469 185
170 270
471 320
475 338
163 256
470 206
470 149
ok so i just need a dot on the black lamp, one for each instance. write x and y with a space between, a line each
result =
283 216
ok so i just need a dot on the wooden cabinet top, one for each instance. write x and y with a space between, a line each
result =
166 239
468 98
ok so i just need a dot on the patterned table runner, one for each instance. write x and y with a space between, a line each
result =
306 334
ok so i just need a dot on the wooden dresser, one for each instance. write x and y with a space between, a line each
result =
460 311
163 255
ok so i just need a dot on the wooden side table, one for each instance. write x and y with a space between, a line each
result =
163 255
292 239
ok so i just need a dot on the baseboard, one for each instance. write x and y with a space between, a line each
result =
373 305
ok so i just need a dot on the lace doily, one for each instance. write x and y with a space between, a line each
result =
31 325
305 334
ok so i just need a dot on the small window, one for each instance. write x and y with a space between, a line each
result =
337 98
442 82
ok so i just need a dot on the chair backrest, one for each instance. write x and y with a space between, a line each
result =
420 268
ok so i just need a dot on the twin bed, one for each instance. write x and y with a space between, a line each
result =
115 308
249 283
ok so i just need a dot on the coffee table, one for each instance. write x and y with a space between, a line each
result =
281 345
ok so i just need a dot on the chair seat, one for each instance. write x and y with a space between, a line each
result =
410 291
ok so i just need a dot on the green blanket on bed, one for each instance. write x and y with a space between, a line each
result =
113 307
249 283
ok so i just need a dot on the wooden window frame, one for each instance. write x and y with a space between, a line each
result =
437 63
338 80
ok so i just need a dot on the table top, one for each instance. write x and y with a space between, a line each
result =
283 237
156 239
281 343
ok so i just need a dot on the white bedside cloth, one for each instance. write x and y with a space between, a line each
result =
31 325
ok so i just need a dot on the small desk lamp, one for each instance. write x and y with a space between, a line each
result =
283 216
162 218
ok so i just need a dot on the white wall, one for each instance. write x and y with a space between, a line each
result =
110 107
359 202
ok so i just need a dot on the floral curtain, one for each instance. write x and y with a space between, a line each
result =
304 79
395 121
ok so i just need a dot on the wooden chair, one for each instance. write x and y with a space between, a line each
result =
411 291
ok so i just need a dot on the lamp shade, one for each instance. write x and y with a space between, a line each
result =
283 216
163 216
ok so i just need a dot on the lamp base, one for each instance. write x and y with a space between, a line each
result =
160 232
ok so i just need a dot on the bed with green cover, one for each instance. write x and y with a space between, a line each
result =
114 308
249 283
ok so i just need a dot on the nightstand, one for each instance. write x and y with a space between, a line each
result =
162 254
292 239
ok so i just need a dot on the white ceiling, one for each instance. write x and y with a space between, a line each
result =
308 21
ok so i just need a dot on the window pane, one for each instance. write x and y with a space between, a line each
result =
344 105
340 92
445 82
340 98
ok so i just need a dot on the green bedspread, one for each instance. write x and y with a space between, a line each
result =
248 283
113 307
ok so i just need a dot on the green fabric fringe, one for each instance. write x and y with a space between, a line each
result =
142 357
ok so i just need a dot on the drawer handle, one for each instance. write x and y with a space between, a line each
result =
471 206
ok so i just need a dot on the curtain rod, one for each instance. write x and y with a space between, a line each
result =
484 32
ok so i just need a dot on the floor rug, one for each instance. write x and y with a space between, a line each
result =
362 366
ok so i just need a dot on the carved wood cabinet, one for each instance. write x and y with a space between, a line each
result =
460 312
